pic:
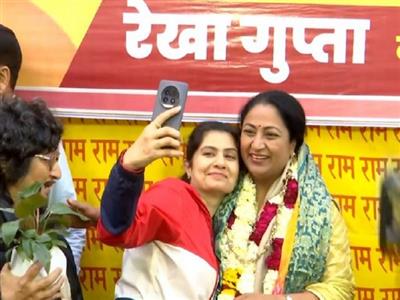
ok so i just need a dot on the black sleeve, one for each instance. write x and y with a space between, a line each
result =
3 259
3 247
120 198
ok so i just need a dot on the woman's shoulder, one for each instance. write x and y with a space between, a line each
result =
170 192
170 186
171 183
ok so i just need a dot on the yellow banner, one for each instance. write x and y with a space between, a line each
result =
352 162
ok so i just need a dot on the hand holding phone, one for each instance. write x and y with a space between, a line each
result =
153 143
170 94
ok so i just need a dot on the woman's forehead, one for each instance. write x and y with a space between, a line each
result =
218 138
264 115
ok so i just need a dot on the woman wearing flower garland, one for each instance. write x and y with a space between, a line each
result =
279 235
169 228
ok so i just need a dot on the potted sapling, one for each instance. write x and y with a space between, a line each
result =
35 234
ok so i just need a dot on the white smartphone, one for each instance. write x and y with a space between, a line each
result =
170 94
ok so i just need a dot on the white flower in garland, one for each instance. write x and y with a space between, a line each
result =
252 252
246 212
241 253
269 281
246 281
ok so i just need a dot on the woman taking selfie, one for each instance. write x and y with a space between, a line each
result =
279 234
169 230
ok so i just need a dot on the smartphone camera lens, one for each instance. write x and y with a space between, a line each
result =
169 97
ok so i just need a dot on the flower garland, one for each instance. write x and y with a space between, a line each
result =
242 236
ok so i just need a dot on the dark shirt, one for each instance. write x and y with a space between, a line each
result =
76 291
5 202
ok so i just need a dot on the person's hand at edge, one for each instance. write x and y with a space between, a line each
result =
26 287
89 211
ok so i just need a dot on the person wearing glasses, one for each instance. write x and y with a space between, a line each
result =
29 138
63 189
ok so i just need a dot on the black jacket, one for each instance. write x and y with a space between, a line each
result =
76 291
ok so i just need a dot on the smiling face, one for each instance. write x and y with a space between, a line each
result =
42 168
265 144
214 168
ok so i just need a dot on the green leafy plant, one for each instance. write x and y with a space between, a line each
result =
38 226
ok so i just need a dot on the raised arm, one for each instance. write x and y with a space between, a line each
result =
125 183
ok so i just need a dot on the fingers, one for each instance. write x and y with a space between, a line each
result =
31 273
164 116
167 142
167 131
54 278
154 138
56 297
170 153
5 269
75 205
30 287
84 208
167 137
89 211
53 291
43 288
5 273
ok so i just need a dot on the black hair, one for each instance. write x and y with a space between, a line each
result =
26 129
10 53
198 134
289 108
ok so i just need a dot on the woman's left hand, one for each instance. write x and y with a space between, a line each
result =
89 211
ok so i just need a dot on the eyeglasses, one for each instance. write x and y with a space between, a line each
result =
51 158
